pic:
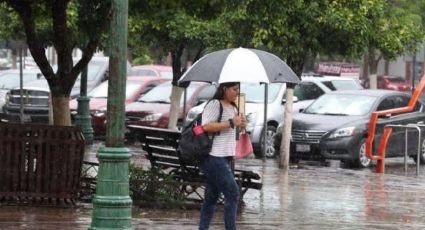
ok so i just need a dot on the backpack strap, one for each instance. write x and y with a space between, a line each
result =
220 114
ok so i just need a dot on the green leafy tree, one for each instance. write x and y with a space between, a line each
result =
182 28
386 29
65 25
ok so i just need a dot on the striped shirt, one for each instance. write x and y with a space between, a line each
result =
224 143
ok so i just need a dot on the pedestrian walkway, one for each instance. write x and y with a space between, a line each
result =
306 197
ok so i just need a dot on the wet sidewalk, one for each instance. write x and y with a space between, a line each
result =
306 197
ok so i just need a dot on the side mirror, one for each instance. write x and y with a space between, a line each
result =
294 100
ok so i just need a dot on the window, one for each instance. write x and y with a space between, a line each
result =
386 104
342 85
307 91
205 94
147 88
393 102
144 72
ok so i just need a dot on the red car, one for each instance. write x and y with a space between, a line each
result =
153 109
393 83
164 71
390 82
135 87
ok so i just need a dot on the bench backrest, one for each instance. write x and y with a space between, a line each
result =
160 144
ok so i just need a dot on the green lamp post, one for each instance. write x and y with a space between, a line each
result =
112 202
83 118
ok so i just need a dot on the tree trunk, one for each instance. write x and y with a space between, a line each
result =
286 134
365 70
176 95
61 112
373 61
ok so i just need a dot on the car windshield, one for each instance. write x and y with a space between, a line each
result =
93 69
342 85
102 90
162 93
396 79
12 80
254 93
166 74
342 104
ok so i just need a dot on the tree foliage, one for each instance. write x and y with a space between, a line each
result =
176 27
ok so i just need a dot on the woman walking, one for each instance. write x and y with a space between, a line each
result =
217 165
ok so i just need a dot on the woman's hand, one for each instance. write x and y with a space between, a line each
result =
239 121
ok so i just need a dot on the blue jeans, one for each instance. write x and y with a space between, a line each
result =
220 179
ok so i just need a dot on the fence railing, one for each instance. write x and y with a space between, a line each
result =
380 156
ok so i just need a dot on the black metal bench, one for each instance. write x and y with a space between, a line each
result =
161 148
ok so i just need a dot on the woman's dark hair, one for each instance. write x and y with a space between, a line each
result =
219 94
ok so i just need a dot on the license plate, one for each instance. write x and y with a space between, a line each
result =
302 148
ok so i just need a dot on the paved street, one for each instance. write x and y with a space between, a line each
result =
307 197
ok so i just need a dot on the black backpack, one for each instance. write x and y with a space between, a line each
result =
194 144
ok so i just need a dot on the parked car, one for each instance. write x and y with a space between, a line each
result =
164 71
392 83
10 79
335 126
135 88
305 92
36 101
152 109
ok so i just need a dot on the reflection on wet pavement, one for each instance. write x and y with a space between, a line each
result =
305 197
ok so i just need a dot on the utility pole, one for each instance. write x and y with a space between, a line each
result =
287 127
112 202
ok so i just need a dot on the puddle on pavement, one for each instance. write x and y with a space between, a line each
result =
307 196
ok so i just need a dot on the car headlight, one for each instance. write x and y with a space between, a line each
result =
343 132
7 98
152 117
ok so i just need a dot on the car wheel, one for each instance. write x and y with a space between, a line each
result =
422 156
360 158
270 136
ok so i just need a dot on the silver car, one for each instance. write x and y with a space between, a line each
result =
309 89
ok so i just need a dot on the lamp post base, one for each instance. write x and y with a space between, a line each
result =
112 203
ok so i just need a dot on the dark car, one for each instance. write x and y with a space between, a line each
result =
153 109
335 126
135 87
10 79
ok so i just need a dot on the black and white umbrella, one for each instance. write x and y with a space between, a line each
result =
240 65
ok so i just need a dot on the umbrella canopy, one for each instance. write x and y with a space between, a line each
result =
240 65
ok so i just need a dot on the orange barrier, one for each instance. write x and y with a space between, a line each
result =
380 158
